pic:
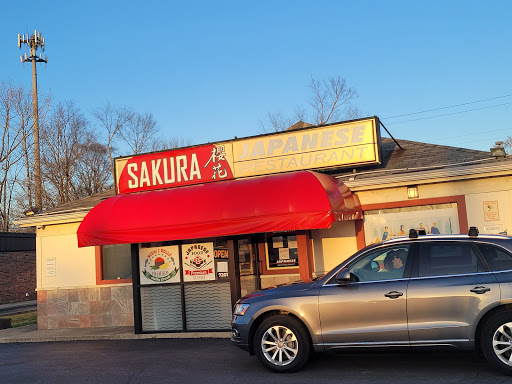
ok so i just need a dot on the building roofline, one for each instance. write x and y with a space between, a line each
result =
472 169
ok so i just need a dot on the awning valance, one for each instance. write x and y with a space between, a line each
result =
284 202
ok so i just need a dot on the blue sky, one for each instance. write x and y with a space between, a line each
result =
210 70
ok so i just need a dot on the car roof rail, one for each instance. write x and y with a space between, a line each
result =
414 233
473 232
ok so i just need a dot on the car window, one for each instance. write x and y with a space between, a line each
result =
496 258
439 259
383 264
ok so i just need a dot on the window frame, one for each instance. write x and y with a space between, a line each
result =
99 269
470 244
268 251
506 251
386 249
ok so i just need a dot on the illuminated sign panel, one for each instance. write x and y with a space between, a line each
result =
335 145
349 144
175 168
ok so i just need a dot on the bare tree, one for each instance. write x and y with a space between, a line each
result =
63 139
139 133
8 198
507 144
278 121
93 169
23 107
22 103
331 101
162 144
11 132
112 120
11 138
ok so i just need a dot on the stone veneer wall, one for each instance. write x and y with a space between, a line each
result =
104 306
247 284
271 280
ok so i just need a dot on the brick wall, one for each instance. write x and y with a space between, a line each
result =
17 276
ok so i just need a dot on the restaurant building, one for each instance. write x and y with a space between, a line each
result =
189 231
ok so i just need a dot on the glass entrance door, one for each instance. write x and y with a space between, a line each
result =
248 263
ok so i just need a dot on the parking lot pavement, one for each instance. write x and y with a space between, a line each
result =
216 361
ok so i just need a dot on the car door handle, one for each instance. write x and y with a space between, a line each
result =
480 290
394 294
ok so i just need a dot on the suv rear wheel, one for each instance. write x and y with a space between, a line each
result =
282 344
496 341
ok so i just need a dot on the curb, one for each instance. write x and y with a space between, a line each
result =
44 339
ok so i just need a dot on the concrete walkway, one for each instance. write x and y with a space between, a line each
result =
30 334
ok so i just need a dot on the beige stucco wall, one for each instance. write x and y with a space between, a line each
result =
384 194
74 267
487 224
71 298
332 246
476 191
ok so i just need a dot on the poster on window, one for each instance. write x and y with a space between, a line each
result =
384 226
198 262
159 265
282 252
222 270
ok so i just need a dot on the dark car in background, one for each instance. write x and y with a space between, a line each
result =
421 291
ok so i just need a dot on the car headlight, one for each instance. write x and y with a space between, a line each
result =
240 309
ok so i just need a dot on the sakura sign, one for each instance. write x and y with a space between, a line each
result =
340 145
203 164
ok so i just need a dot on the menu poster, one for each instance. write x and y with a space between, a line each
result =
198 262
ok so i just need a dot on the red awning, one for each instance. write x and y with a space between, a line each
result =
285 202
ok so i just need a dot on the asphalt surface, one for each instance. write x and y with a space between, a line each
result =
216 361
14 308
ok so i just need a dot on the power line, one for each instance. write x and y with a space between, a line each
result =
449 114
469 142
479 133
451 106
474 134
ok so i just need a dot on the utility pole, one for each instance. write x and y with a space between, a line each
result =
35 41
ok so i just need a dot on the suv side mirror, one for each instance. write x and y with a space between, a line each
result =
343 277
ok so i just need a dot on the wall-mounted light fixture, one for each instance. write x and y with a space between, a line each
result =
412 192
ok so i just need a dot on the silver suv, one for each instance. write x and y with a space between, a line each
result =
434 290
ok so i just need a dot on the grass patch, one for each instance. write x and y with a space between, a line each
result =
22 319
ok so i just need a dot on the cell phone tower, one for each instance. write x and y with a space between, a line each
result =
35 42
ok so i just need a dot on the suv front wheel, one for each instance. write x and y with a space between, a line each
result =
282 344
496 341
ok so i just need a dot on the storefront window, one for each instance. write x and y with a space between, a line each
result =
383 224
220 251
282 252
116 262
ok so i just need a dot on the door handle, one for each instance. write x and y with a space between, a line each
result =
394 294
479 290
